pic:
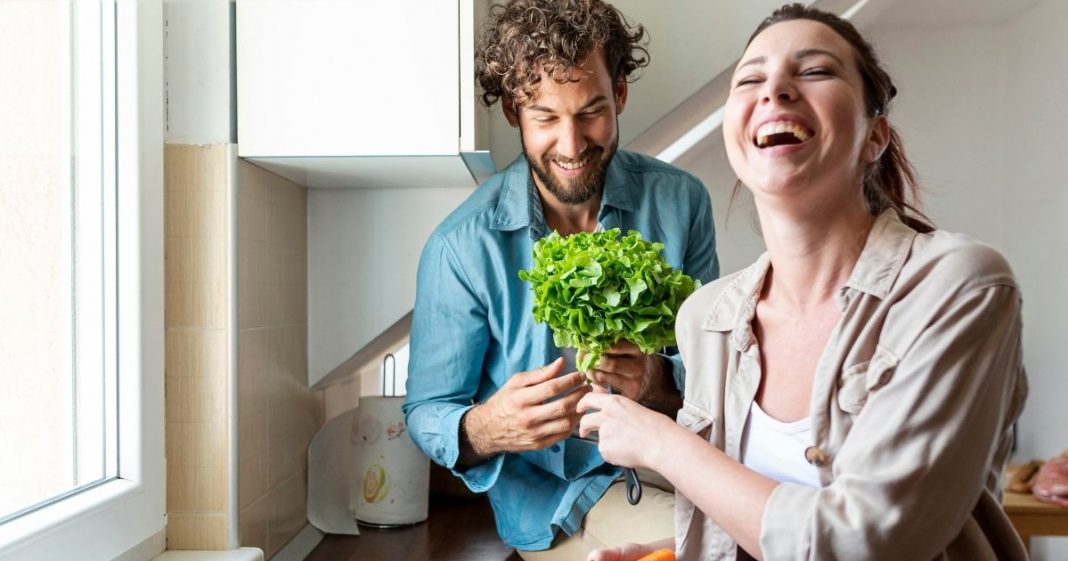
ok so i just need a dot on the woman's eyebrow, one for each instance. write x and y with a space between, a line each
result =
754 60
811 52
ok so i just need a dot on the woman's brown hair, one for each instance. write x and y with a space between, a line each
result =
525 37
890 182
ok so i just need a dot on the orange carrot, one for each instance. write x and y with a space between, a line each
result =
660 555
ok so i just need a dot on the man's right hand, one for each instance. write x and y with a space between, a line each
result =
520 417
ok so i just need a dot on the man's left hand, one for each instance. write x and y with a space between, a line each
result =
627 370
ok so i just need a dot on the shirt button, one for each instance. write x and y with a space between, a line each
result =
555 448
815 456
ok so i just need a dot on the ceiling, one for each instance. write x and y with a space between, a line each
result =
929 13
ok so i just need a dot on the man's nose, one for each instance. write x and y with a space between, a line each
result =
572 140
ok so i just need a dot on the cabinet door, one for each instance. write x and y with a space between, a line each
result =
347 77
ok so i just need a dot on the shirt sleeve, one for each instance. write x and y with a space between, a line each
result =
918 455
700 261
448 345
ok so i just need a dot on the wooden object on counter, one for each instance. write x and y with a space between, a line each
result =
1032 517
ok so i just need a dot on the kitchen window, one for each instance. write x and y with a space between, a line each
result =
57 208
81 470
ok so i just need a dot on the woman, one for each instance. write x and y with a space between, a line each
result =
851 394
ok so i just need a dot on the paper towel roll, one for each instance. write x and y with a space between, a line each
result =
331 477
395 475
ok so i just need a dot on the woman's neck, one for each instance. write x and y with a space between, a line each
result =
812 254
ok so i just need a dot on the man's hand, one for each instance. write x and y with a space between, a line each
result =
523 414
630 372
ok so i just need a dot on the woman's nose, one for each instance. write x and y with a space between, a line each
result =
780 90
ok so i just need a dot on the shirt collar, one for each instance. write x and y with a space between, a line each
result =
884 254
520 204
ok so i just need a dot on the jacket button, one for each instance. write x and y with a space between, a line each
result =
815 456
555 448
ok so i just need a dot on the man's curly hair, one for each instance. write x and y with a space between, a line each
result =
525 37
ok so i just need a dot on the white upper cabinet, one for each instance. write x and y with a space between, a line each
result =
360 93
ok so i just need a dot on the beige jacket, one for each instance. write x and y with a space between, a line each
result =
912 406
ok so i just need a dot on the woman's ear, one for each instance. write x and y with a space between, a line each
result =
878 138
511 113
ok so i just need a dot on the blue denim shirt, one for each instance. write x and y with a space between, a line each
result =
473 329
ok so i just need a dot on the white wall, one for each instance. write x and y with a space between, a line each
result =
363 252
197 66
981 110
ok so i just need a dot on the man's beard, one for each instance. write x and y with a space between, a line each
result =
582 188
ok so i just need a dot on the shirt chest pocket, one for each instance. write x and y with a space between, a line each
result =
695 420
860 380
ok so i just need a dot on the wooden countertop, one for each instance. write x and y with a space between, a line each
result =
1032 517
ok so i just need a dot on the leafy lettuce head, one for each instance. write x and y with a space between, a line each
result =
596 289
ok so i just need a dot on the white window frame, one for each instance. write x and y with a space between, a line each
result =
109 519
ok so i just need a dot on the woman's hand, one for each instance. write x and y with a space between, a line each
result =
626 552
628 434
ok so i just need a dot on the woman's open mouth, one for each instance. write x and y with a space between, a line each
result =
778 133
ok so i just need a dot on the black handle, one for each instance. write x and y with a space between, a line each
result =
634 486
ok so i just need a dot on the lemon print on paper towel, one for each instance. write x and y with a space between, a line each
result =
375 486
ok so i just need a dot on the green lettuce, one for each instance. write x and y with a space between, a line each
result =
596 289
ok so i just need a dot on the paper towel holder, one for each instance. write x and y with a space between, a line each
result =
392 361
395 473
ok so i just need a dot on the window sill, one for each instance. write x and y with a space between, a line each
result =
40 524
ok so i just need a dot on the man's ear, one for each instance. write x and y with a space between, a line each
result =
620 94
511 112
878 138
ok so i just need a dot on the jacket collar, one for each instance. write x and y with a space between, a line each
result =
519 204
884 254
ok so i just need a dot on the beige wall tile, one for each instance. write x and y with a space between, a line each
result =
252 264
196 305
252 307
252 346
253 382
195 260
280 422
253 180
202 490
253 524
196 531
339 398
196 399
201 214
196 167
252 218
197 444
286 459
252 439
273 319
196 352
254 480
288 512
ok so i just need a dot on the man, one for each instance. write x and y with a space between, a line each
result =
489 396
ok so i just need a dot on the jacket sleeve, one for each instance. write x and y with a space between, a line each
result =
919 453
448 343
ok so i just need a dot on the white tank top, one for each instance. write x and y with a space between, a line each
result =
776 449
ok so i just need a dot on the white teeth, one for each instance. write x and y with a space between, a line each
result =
570 165
779 127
